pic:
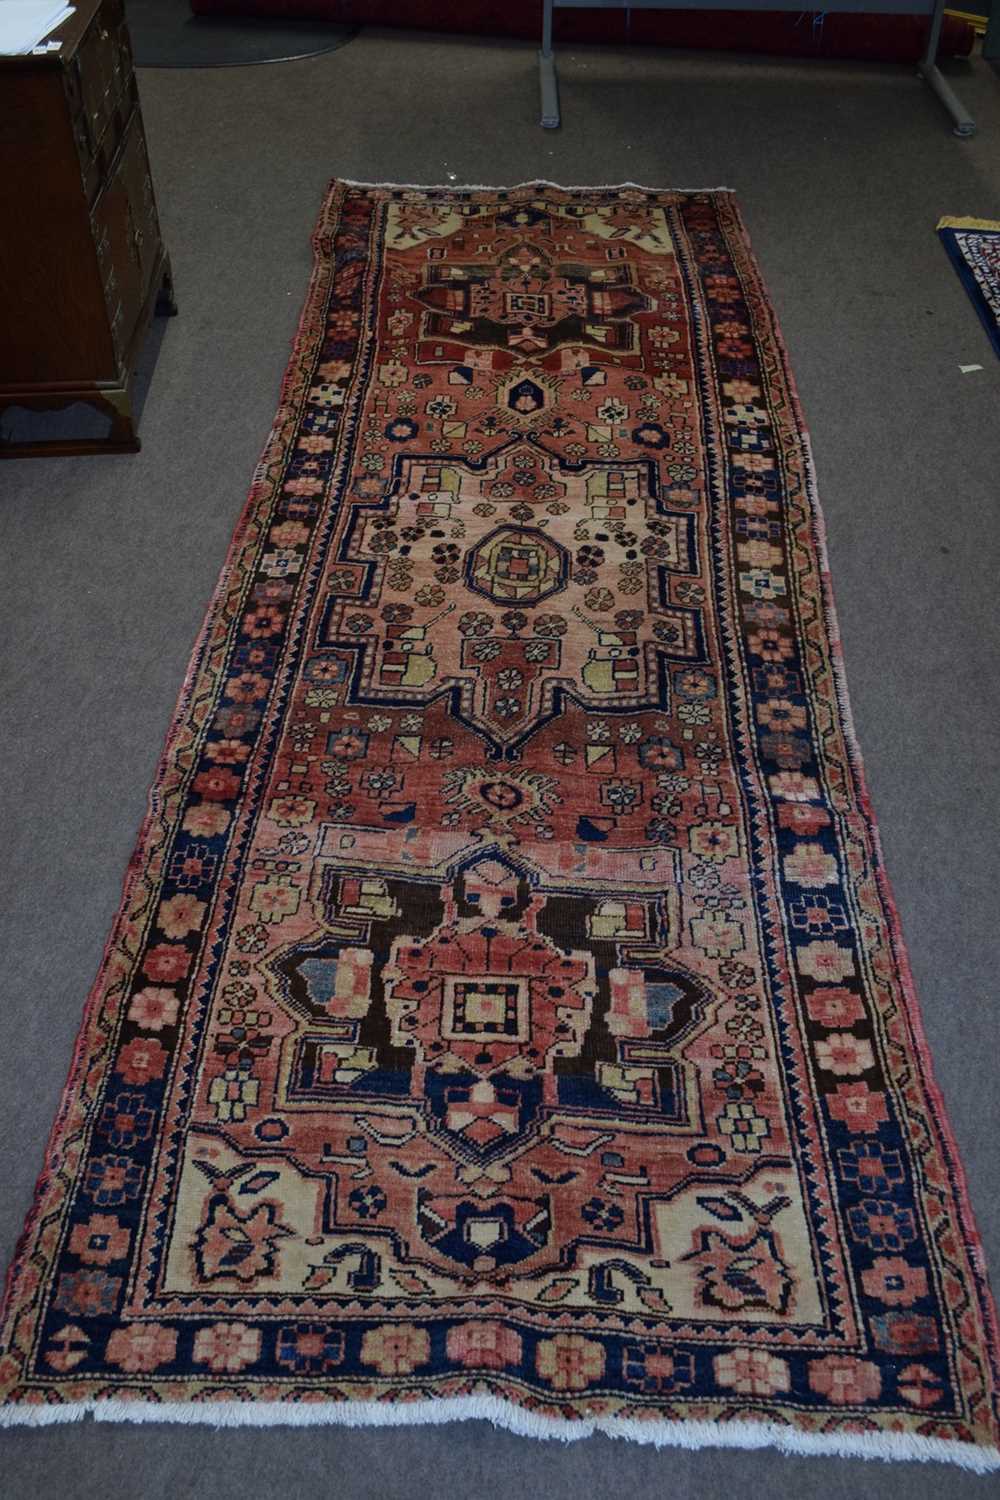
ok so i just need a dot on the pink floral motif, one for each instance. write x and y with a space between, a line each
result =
825 961
291 812
293 533
780 713
275 898
348 746
206 819
141 1347
894 1281
218 785
142 1059
844 1380
100 1240
569 1362
802 817
228 752
834 1006
166 962
227 1347
793 785
713 841
180 915
263 622
810 865
153 1008
752 1372
844 1054
771 646
739 390
484 1346
857 1106
396 1349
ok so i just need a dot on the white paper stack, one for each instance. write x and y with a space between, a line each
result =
23 23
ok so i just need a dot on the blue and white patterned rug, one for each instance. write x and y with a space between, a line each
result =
974 248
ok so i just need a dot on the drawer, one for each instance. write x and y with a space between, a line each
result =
96 161
101 75
127 234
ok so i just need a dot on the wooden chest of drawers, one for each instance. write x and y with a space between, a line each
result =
82 265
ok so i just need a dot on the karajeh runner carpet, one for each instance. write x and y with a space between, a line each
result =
507 1015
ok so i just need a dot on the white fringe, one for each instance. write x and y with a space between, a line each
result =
493 187
505 1414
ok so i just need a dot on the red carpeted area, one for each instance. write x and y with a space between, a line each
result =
789 33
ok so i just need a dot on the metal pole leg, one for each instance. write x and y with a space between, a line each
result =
931 74
547 72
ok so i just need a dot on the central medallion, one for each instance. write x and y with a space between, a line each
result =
527 304
552 603
517 565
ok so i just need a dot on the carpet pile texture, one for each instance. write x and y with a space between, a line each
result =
507 1014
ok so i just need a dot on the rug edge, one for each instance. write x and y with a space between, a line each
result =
952 221
507 1415
972 1239
139 857
500 187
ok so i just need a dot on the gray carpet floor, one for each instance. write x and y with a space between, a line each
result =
842 171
